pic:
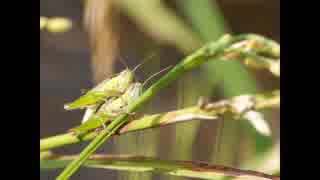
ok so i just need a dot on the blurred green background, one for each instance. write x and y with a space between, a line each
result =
132 30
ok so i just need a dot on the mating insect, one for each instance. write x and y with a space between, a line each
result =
113 107
110 109
97 96
113 87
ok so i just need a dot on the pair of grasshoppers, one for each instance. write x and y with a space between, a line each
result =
107 100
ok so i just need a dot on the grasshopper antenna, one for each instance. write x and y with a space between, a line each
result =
155 74
123 62
145 60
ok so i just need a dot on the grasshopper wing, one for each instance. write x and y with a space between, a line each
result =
91 98
113 87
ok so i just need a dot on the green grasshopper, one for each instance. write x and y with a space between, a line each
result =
113 87
112 107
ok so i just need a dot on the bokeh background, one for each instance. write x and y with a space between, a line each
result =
105 31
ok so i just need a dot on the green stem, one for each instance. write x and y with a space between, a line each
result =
192 169
210 51
192 61
262 101
268 162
